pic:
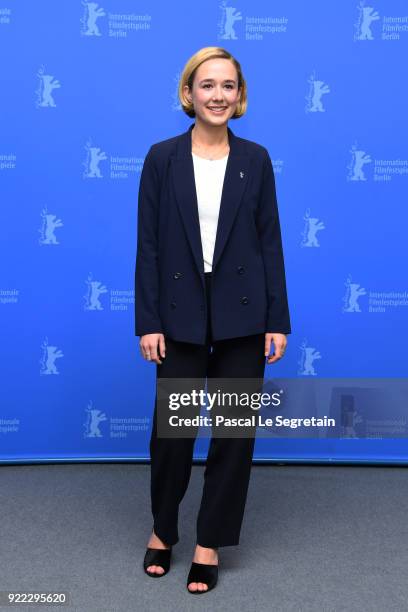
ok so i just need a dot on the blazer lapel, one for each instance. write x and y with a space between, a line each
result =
235 180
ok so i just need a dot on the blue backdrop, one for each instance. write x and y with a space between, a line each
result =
86 89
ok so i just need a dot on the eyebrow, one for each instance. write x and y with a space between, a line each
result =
226 80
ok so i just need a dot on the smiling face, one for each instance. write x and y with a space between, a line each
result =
215 92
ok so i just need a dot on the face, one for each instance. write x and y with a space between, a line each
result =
215 85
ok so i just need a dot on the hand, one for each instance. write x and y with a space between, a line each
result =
280 343
148 347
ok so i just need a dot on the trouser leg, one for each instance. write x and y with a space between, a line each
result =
229 460
171 458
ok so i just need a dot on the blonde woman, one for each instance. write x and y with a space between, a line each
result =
211 296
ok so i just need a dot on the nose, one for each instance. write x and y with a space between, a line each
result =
217 94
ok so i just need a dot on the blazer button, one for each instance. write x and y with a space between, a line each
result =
240 269
173 304
177 275
244 300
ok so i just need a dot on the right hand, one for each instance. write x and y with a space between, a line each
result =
148 347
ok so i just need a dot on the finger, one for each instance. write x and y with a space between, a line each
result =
280 349
162 346
267 345
278 354
153 353
143 349
148 351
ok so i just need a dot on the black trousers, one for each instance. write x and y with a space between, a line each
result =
229 460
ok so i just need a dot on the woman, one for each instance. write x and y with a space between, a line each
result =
210 296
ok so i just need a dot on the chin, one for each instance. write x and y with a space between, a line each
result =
213 120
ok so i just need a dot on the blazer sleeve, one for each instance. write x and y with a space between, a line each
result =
147 320
278 319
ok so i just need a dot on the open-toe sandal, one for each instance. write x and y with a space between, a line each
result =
202 572
157 556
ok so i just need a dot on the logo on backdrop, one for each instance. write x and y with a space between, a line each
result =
120 166
277 165
9 426
118 24
120 299
309 234
254 27
350 417
378 301
47 84
307 358
49 224
369 24
93 418
359 159
353 292
8 161
317 89
119 427
383 170
5 16
366 16
50 354
176 104
92 12
9 296
94 155
95 290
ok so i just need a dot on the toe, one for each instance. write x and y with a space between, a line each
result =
198 586
155 569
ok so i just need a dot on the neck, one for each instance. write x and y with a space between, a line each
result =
209 135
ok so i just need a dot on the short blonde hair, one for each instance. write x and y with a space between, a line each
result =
189 71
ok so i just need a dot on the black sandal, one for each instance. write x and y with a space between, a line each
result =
157 556
202 572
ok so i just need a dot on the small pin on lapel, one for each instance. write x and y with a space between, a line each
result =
241 174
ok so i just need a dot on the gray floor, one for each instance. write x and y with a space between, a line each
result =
314 538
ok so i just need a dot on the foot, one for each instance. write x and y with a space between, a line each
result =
156 542
208 556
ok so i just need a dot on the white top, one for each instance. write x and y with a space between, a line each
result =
209 180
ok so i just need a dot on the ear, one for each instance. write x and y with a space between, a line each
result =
187 93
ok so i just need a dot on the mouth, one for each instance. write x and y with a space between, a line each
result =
217 110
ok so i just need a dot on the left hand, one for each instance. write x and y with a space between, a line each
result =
280 343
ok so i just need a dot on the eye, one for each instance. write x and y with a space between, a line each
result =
229 85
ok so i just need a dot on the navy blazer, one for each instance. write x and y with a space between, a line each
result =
248 276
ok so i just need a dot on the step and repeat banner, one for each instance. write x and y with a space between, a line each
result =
87 88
